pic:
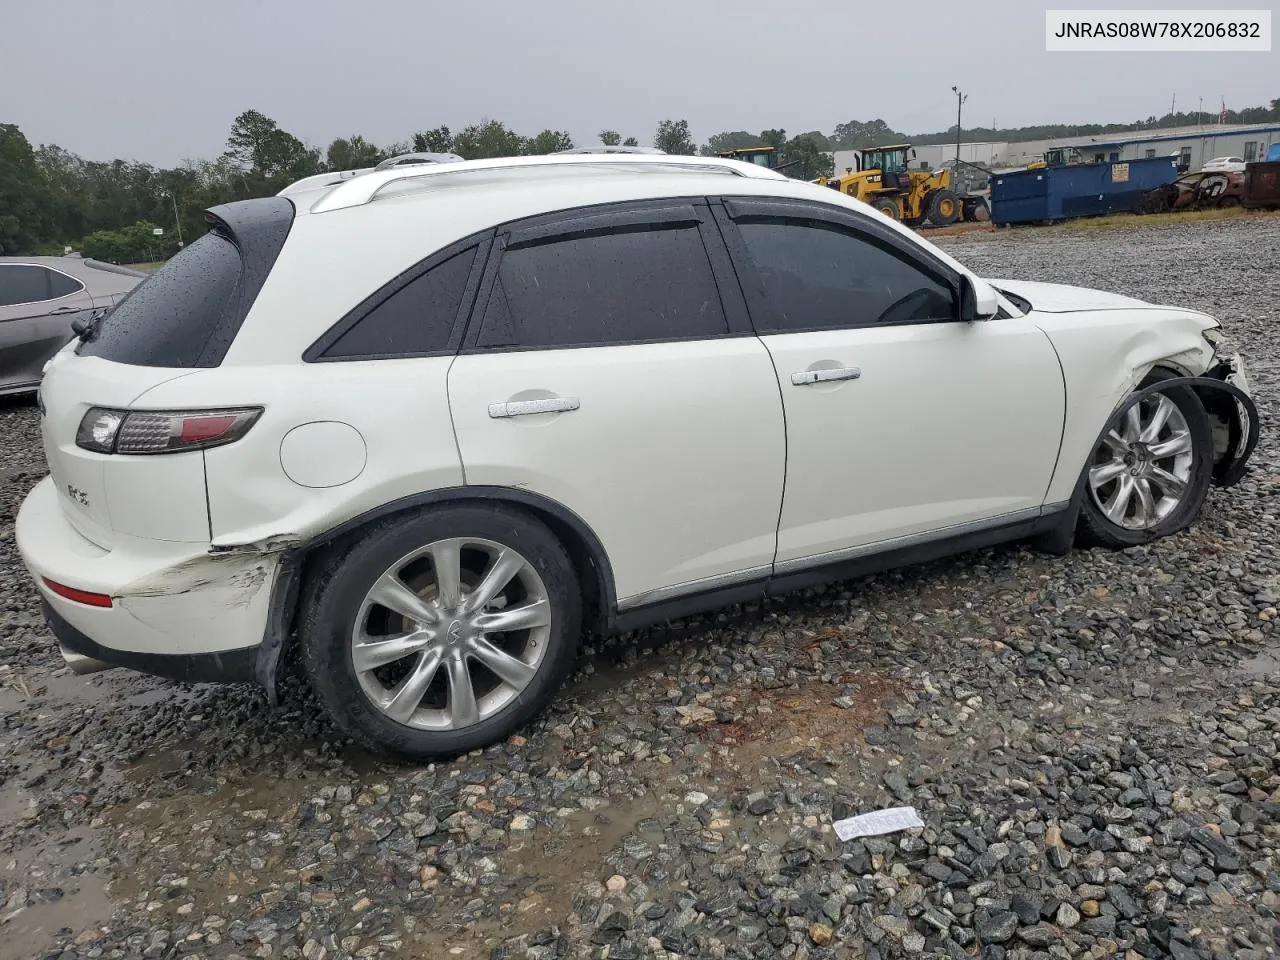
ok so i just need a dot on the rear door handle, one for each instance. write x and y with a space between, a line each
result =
806 377
57 310
525 408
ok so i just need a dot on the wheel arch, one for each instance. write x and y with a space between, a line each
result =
586 551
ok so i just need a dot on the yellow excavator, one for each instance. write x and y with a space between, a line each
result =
882 179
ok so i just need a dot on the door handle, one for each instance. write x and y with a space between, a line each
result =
806 377
57 310
525 408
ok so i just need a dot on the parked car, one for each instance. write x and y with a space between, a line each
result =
40 298
1195 191
429 424
1224 164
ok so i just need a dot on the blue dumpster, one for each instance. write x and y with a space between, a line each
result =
1079 190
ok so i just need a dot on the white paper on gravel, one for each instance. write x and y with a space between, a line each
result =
878 822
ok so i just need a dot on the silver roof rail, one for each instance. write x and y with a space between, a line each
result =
362 189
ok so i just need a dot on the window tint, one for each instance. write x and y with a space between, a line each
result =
60 285
23 283
418 318
167 319
641 284
818 276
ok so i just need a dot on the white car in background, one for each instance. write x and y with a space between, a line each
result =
432 423
1224 165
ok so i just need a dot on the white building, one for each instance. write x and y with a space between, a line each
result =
1194 146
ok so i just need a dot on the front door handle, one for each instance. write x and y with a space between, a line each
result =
806 377
525 408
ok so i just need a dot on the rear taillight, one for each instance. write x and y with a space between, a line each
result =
104 430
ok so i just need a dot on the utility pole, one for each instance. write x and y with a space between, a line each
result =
960 99
177 222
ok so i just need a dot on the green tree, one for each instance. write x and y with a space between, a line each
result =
136 243
488 138
631 142
806 159
548 141
352 153
774 138
439 140
25 203
610 138
730 140
871 133
673 137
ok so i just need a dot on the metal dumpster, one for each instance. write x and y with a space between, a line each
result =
1078 190
1261 185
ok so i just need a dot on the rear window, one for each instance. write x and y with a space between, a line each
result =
167 320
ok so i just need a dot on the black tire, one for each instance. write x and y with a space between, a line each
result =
1095 529
886 206
944 208
335 591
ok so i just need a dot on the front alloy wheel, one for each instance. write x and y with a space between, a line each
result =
1142 469
1150 471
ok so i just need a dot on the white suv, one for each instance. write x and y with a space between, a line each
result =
432 423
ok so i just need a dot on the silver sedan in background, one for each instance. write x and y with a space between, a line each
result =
40 297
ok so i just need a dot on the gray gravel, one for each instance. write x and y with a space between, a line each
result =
1093 743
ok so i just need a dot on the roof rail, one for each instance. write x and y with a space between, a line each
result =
362 189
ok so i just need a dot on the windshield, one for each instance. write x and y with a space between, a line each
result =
891 161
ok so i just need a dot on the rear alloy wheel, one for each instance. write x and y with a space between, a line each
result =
445 632
1149 474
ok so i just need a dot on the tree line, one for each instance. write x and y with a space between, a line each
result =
51 198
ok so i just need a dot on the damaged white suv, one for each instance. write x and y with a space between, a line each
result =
431 424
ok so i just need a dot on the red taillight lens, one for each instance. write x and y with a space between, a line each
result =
79 596
162 431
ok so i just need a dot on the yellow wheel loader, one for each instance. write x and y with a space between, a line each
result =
882 179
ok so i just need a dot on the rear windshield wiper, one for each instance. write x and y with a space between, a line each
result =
84 329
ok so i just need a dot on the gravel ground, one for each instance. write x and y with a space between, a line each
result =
1093 743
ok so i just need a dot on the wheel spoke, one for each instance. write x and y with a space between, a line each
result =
512 671
1118 508
392 592
1146 502
446 556
463 710
1171 485
1118 445
1133 422
1176 444
1104 473
373 653
407 696
502 572
524 617
1159 417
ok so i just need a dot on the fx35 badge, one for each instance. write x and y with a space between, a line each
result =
78 495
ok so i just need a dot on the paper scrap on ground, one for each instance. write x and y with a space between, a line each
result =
877 822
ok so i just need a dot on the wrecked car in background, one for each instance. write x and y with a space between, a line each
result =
1196 191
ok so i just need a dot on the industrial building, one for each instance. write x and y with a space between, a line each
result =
1193 146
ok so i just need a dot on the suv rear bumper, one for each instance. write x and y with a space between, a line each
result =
175 611
86 656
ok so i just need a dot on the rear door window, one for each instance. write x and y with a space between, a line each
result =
24 283
631 284
61 285
167 319
415 320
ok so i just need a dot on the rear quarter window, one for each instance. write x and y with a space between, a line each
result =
167 320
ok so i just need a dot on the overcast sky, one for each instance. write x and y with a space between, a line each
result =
161 80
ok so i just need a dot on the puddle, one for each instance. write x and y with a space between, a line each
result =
1262 665
58 889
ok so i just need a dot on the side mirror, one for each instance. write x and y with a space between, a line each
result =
977 300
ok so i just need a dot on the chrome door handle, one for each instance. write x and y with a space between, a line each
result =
60 310
525 408
806 377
